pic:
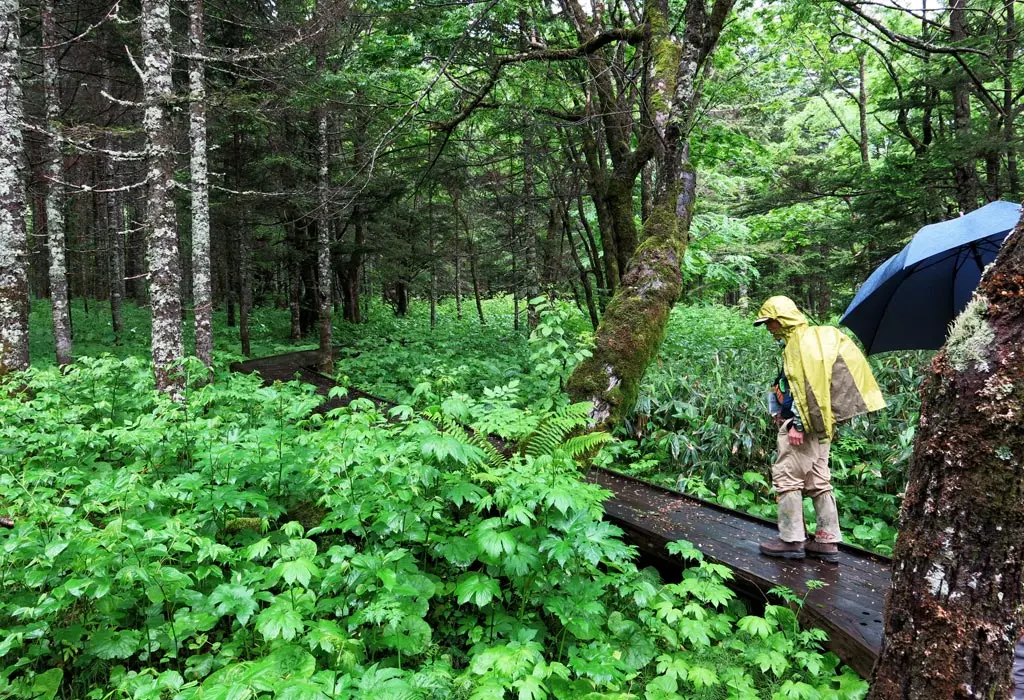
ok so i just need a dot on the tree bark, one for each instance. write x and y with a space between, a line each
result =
325 356
164 265
115 225
963 162
14 300
202 288
634 323
953 614
1009 130
55 232
862 111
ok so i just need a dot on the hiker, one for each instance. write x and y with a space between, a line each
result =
824 380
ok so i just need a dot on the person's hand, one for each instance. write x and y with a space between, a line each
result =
795 437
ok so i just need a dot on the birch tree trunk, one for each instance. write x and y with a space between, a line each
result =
202 289
13 237
634 322
55 189
116 233
164 265
952 616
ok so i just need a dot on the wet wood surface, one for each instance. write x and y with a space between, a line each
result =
848 607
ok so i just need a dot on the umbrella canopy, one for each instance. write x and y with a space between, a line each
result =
910 300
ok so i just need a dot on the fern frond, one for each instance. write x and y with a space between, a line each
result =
554 428
586 444
453 428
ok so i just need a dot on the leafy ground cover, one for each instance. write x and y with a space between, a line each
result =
235 546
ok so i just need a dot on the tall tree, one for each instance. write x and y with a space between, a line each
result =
633 325
164 265
325 356
953 614
202 287
55 232
13 238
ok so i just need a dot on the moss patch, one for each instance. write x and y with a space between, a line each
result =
971 337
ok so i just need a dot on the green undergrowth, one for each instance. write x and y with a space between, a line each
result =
236 546
701 424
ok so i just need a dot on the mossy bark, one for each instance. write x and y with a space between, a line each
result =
954 612
634 322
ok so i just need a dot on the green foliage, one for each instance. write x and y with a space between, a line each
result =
232 547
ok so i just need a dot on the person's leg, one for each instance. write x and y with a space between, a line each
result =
819 487
788 480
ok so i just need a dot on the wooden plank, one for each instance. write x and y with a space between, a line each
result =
849 607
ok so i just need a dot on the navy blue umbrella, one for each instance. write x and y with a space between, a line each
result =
910 300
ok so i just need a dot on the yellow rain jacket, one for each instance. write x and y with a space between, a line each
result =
830 378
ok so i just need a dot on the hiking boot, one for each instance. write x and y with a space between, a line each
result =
785 550
826 551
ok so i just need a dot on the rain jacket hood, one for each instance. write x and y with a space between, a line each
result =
829 376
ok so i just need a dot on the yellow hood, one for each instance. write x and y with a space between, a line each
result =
830 378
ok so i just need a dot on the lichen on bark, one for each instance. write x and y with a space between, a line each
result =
953 613
14 300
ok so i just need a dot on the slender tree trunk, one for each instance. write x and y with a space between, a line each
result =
592 252
588 292
953 613
476 280
115 224
325 357
862 111
55 188
530 258
14 300
458 275
202 288
963 162
1010 142
164 266
244 283
294 281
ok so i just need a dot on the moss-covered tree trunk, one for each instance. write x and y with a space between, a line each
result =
954 611
634 322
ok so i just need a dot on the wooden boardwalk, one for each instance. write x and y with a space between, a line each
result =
849 607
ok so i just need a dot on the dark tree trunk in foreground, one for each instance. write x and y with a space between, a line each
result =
953 614
633 325
13 237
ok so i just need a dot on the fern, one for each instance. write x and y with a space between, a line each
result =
555 427
452 427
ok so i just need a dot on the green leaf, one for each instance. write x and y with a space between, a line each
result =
280 620
46 685
479 588
109 644
755 626
235 599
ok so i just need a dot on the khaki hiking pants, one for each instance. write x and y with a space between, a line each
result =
804 469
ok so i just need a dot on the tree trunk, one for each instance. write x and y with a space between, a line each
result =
325 356
115 225
458 275
14 300
55 232
963 160
244 283
164 266
862 111
476 281
953 613
1009 131
202 288
634 323
588 292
